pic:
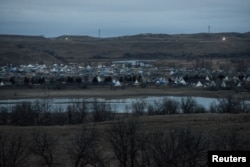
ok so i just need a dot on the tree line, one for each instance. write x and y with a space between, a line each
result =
80 111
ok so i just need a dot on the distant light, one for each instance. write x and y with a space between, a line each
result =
66 38
224 38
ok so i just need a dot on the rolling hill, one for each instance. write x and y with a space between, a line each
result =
16 49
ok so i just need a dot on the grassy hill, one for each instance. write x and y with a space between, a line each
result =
66 49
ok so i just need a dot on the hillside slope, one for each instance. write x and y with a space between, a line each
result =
66 49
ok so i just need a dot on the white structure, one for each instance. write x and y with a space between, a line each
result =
136 83
199 84
223 84
2 84
118 84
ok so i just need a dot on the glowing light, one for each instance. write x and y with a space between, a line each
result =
224 38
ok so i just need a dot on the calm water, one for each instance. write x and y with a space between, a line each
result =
117 105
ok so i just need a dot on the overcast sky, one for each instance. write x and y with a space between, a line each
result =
122 17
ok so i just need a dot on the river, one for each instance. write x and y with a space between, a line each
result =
117 105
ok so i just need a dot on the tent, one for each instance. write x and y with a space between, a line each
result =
182 81
223 84
213 83
136 82
99 79
199 84
117 84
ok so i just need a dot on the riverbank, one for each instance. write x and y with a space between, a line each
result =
108 93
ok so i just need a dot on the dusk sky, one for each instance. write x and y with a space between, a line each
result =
53 18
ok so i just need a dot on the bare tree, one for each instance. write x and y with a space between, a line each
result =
188 105
166 106
14 150
230 139
245 106
4 116
44 146
169 106
229 105
23 114
144 154
59 117
43 109
155 109
84 149
193 148
178 147
164 149
77 112
101 111
138 107
124 141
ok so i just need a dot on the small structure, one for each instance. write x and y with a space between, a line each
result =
136 83
199 84
223 84
118 84
1 84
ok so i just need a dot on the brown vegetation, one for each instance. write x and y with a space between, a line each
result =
141 137
118 93
70 49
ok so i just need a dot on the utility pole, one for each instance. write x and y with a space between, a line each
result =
99 33
209 29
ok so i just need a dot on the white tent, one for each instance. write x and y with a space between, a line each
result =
223 84
117 84
89 67
248 79
99 79
199 84
207 78
30 66
2 84
182 81
171 73
176 80
136 82
213 83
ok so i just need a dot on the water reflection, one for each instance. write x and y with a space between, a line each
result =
117 105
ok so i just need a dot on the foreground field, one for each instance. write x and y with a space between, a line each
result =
232 127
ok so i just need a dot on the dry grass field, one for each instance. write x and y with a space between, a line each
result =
117 93
209 125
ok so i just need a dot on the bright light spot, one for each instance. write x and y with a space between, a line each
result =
66 38
224 38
